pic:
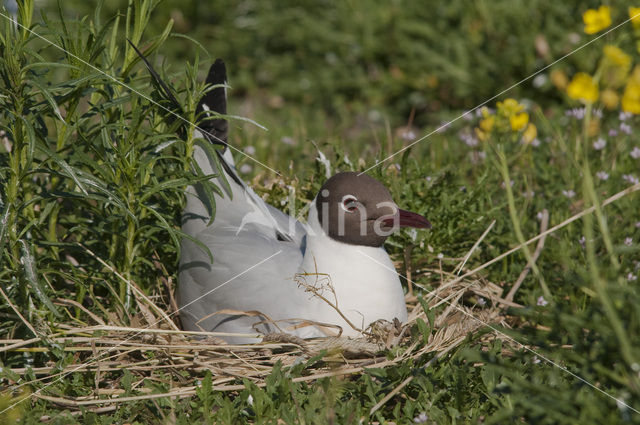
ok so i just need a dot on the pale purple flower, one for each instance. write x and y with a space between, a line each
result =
630 178
250 150
597 113
569 193
477 157
635 153
535 142
535 360
599 144
529 194
602 175
628 241
577 113
467 116
481 302
638 224
246 168
541 301
444 125
625 128
421 418
539 215
582 241
288 140
440 256
502 185
469 139
631 277
613 132
623 116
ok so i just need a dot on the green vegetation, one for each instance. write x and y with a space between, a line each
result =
92 177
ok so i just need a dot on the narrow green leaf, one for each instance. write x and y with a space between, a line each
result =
30 272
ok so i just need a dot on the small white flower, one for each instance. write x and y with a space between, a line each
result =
540 80
535 360
574 37
421 418
246 168
535 142
440 256
481 302
628 241
602 175
569 193
631 277
630 178
250 150
408 135
613 132
599 144
250 400
539 215
625 128
541 301
529 194
638 224
635 153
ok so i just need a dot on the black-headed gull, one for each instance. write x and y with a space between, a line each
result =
272 273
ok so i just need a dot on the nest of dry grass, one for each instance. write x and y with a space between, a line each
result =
153 347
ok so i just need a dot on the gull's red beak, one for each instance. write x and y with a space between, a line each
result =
411 219
408 219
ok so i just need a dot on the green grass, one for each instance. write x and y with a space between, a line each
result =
90 167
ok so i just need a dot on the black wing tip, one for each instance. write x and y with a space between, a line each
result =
215 100
217 72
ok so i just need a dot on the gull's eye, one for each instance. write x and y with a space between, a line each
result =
349 203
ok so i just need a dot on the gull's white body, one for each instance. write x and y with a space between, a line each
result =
253 270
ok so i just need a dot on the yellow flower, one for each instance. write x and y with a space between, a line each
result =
487 124
616 56
518 121
509 107
582 87
609 98
631 97
596 20
530 133
481 135
634 14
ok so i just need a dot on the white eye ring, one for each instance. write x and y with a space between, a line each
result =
349 203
